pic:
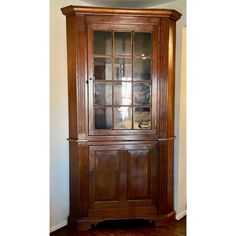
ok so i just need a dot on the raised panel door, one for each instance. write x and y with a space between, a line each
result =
122 176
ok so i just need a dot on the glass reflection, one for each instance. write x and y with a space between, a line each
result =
142 69
122 93
122 118
122 43
142 118
142 93
103 118
102 42
102 69
122 69
103 94
142 44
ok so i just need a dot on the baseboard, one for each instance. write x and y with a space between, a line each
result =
56 227
181 215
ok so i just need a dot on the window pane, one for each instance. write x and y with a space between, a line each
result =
122 93
122 69
102 42
103 118
102 69
142 118
142 44
103 94
142 93
122 118
122 43
142 69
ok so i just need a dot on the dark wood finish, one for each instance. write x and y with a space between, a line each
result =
120 174
128 228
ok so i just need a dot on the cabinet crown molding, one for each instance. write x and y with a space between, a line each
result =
77 10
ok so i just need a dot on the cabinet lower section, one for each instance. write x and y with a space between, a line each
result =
121 180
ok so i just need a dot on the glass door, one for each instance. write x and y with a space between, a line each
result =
121 81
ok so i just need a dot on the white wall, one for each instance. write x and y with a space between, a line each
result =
180 110
59 152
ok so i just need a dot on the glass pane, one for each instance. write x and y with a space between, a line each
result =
102 69
103 118
142 118
122 118
103 94
142 93
122 69
142 44
102 42
122 93
122 43
142 69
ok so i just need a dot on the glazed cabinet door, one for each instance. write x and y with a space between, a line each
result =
122 72
122 176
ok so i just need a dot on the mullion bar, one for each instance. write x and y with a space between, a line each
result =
124 56
116 81
112 107
103 106
132 79
102 56
102 81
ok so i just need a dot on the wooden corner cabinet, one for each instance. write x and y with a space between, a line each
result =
121 67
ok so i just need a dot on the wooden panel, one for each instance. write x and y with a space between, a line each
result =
138 174
78 179
106 175
71 64
124 20
166 112
123 211
74 181
117 27
77 75
123 175
81 76
82 179
103 176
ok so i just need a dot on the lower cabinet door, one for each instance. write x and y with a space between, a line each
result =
122 180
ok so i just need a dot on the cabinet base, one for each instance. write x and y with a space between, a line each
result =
85 224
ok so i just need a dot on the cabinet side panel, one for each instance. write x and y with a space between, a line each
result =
81 72
171 78
73 179
82 179
166 109
171 102
71 64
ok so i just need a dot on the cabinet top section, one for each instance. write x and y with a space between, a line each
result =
151 12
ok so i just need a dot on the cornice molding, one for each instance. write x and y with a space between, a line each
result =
78 10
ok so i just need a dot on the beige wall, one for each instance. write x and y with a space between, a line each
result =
59 153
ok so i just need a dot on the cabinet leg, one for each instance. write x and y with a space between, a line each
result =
87 224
